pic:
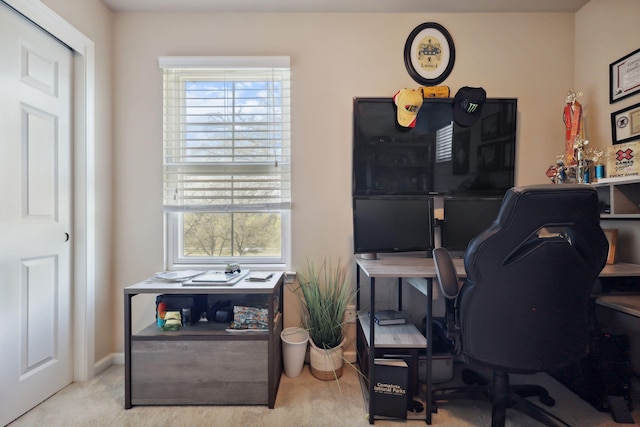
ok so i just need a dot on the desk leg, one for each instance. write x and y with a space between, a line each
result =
372 348
127 351
429 336
357 288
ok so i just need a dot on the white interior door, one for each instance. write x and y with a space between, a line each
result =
35 215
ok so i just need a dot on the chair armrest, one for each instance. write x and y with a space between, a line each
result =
448 279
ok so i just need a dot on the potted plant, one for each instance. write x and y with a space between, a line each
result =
325 292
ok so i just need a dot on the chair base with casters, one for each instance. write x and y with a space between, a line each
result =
502 395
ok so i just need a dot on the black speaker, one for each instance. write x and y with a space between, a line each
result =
221 312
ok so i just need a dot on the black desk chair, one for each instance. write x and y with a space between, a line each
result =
525 306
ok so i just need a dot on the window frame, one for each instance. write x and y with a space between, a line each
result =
173 218
173 246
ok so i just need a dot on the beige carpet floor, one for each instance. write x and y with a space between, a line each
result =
301 401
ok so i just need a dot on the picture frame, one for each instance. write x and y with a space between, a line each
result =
624 77
612 237
506 119
490 127
460 153
488 157
429 54
507 155
625 124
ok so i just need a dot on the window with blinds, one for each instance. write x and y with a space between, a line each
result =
227 159
444 144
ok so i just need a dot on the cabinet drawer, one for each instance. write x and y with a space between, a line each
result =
199 372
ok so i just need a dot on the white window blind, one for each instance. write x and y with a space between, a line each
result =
226 133
444 144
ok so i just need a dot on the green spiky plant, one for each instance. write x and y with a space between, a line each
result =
325 293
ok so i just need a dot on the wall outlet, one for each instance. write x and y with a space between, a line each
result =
350 314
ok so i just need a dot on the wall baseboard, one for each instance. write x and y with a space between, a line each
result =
350 356
106 362
118 359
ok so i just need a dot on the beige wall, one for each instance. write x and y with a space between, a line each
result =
606 30
334 57
534 57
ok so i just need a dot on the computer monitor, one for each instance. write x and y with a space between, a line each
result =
392 224
464 219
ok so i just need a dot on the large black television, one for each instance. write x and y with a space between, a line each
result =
464 219
392 224
437 156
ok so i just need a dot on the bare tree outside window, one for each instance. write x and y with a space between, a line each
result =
226 234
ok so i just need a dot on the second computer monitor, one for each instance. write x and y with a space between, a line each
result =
464 219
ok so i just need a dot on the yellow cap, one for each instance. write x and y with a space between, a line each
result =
408 102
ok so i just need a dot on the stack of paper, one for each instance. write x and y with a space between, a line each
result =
212 278
177 276
260 276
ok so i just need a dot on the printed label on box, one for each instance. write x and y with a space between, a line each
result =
621 160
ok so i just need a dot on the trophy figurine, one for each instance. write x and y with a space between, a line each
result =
599 167
582 163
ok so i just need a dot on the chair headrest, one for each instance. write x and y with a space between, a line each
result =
568 211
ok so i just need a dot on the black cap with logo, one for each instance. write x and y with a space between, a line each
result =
467 105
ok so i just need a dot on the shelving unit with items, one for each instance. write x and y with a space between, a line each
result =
619 197
205 362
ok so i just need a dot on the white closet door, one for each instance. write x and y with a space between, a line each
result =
35 215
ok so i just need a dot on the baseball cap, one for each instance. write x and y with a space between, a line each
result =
408 102
467 105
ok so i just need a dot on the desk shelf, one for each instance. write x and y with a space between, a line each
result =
202 330
629 304
392 336
619 199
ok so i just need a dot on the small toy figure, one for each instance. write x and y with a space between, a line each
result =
232 268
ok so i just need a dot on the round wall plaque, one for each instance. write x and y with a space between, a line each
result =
429 54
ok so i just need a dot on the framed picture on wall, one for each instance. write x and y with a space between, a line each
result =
624 77
460 153
488 157
507 155
625 124
490 126
429 54
507 117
